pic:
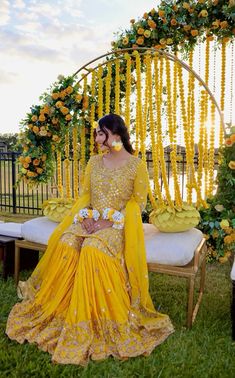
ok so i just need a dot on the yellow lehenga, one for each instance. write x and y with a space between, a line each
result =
88 296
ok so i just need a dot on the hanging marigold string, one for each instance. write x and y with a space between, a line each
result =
222 85
138 101
128 91
100 92
231 85
190 100
117 86
207 66
75 161
108 88
67 166
143 124
92 113
59 174
172 136
83 138
201 141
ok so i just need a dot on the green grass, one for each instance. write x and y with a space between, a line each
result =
206 350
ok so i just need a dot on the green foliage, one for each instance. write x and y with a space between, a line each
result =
10 139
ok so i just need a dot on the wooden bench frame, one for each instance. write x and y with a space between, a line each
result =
188 271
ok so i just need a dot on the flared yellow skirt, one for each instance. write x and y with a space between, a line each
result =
82 310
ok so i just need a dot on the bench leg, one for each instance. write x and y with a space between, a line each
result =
17 264
190 301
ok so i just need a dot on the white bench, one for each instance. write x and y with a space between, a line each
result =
180 254
232 275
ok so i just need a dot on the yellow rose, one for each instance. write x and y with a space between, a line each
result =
152 24
68 117
78 97
224 223
55 95
125 41
140 41
42 118
215 24
59 104
43 132
173 22
39 170
147 33
21 159
27 159
55 138
231 164
24 171
69 89
162 41
161 13
54 121
36 162
25 165
35 129
145 16
224 24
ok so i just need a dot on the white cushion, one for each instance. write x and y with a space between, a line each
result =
38 230
11 229
176 248
232 274
162 248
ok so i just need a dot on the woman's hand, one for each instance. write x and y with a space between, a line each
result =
88 225
102 224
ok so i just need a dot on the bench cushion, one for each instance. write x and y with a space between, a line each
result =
232 274
172 249
11 229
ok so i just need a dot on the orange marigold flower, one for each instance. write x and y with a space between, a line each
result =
34 118
140 31
227 239
231 164
140 40
59 104
152 24
85 102
69 89
147 33
161 13
157 47
55 96
173 22
42 118
64 110
35 129
36 162
194 32
224 24
68 117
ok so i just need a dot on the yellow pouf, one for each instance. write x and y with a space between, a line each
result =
56 209
175 219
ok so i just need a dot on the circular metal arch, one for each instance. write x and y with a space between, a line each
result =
153 51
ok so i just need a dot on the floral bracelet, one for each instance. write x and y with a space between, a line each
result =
114 216
86 213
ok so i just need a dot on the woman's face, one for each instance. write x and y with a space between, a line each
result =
101 136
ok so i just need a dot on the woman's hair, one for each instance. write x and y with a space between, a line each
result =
116 125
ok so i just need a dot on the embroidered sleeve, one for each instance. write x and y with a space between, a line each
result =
86 187
141 185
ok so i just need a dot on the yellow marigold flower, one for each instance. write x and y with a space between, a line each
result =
140 31
68 117
34 118
125 41
203 13
147 33
174 22
35 129
187 27
152 24
140 40
194 32
25 165
231 164
85 102
161 13
42 118
59 104
224 223
224 24
39 170
169 41
64 110
55 95
186 5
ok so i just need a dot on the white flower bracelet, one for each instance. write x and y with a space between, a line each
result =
114 216
86 213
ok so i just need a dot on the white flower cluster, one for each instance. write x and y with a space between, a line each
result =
86 213
114 216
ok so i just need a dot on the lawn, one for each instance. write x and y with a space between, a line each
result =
204 351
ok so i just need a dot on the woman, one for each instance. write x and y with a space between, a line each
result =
88 296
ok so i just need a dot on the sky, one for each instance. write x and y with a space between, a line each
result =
41 39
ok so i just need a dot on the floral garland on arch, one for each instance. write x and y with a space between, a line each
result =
44 129
180 24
